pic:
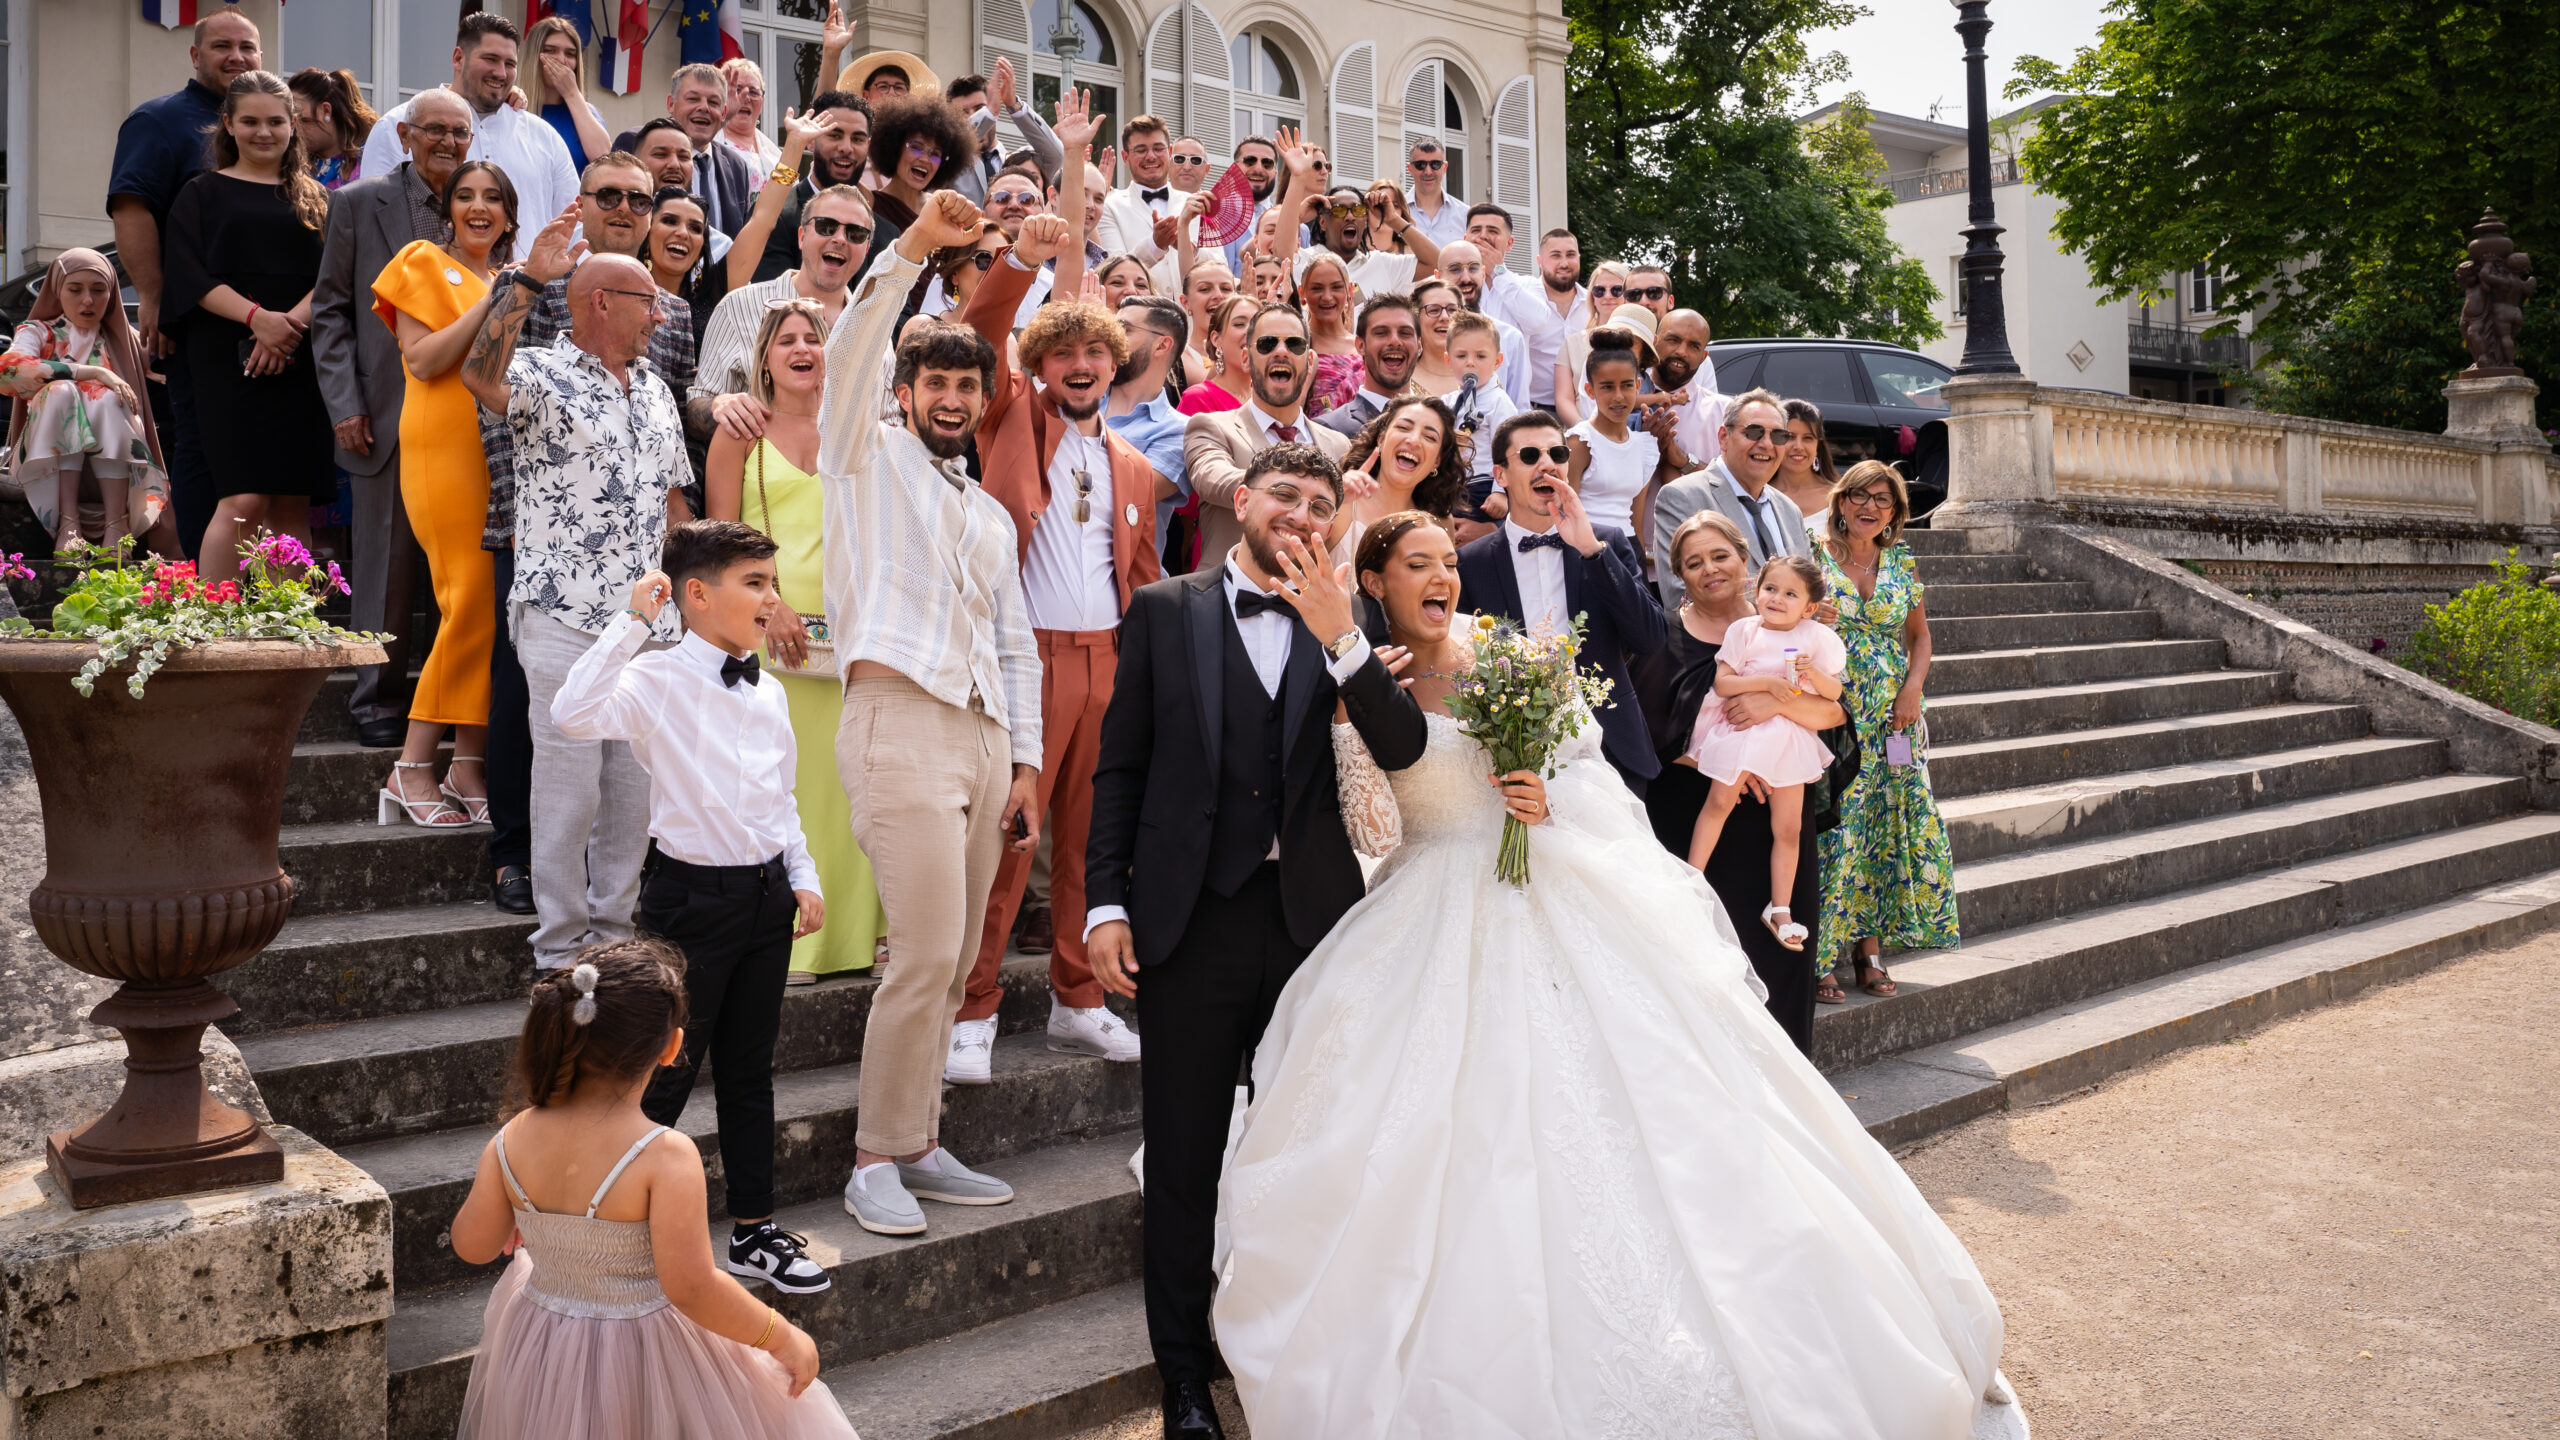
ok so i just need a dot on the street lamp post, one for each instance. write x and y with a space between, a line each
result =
1986 330
1066 41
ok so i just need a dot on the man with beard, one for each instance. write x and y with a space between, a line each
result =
1259 159
836 156
1389 333
524 145
1516 301
939 748
1219 446
992 95
835 235
698 101
1463 265
1143 407
1686 411
1083 506
1737 486
1650 287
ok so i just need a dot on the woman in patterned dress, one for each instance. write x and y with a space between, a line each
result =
74 376
1888 876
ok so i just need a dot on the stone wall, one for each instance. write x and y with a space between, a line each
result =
2372 605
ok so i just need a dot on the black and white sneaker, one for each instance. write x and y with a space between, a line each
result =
773 1255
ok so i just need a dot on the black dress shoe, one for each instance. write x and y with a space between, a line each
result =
1189 1413
388 734
512 891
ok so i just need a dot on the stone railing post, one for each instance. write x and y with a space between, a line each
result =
2499 410
1998 478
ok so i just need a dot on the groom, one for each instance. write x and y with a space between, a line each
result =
1217 857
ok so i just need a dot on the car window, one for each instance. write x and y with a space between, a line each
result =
1821 376
1736 373
1905 382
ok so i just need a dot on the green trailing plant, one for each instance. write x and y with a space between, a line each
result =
2497 642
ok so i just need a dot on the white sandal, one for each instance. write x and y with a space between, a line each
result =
391 804
1789 933
474 807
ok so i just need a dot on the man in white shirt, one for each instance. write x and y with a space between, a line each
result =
1463 265
524 145
1441 215
1515 300
1560 270
939 748
1259 158
835 233
1138 219
1686 431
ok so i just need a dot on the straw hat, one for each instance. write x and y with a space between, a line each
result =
920 76
1634 320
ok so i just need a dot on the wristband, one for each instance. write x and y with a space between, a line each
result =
526 280
636 615
782 175
254 308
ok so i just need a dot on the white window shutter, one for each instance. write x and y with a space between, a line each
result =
1515 168
1004 29
1422 114
1354 128
1206 93
1165 90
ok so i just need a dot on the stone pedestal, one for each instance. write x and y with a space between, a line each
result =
227 1315
1996 480
2499 409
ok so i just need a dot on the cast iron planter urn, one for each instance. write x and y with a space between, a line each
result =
160 820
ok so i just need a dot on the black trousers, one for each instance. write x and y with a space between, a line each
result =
510 763
1202 1009
1738 872
733 923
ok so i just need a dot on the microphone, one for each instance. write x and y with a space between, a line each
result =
1466 406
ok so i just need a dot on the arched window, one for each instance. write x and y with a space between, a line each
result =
1433 111
1265 83
1097 63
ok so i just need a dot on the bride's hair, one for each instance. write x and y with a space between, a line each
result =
1380 541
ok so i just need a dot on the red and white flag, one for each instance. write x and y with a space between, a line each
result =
618 49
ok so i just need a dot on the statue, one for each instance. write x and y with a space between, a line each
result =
2494 286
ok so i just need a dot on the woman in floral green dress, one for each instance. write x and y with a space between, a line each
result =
1888 876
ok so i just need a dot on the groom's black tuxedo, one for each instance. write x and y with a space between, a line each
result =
1202 771
1623 622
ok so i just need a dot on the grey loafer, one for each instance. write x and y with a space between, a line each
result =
881 1205
953 1183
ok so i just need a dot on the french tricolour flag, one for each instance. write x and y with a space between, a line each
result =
171 13
710 32
618 49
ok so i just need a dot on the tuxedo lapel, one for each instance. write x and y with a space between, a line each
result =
1573 567
1206 597
1502 581
1298 683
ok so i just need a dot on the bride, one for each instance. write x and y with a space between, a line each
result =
1534 1162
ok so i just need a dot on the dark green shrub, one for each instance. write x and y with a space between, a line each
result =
2498 643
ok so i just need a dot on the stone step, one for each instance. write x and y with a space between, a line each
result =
1947 994
1982 767
2098 704
358 865
1936 570
2031 667
1072 1229
2015 598
1965 634
1051 1372
1926 541
339 780
409 1073
329 969
2051 1054
1037 1099
2006 822
2003 894
327 719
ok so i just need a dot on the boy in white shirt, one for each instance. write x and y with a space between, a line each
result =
1475 351
728 879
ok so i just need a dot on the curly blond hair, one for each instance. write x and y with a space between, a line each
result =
1061 322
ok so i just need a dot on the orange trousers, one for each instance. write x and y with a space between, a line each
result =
1076 669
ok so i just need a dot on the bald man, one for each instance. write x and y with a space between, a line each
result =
1687 431
1462 264
600 466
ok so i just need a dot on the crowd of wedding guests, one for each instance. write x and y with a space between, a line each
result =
524 349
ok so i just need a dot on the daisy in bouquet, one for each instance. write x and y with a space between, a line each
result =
1521 700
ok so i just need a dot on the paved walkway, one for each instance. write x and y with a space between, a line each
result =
2345 1226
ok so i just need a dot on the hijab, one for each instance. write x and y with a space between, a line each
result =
123 346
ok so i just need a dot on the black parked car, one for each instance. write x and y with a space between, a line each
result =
1879 401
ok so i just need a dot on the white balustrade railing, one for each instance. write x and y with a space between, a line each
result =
2364 476
2115 452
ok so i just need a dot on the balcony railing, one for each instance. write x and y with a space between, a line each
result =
1926 183
2186 349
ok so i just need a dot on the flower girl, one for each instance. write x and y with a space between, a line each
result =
1782 652
614 1323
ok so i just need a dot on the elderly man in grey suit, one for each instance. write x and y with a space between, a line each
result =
1737 485
360 379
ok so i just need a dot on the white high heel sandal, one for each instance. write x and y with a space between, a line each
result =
390 805
474 807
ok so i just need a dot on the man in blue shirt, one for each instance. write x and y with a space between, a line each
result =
161 147
1139 408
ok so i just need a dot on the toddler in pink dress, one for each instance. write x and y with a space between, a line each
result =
1779 651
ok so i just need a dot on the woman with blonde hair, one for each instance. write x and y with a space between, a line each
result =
771 483
552 90
1608 291
738 128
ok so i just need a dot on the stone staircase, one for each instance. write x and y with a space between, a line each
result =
2153 850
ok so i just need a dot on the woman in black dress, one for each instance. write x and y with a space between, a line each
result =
243 250
1671 684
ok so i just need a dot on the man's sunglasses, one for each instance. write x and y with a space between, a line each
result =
1649 292
1430 164
1254 162
1297 344
1190 159
1345 209
614 197
828 225
1757 433
1528 454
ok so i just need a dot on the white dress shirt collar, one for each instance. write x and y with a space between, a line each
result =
1540 575
1266 420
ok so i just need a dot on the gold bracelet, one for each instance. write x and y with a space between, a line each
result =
782 175
772 1317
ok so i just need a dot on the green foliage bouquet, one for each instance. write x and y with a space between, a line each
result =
1520 700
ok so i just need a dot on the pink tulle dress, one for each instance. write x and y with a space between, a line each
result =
1778 750
581 1344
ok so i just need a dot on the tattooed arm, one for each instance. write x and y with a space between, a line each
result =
484 370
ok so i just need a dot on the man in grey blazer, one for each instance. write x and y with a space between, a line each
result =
1737 485
362 382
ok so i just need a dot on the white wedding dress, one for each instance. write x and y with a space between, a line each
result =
1535 1162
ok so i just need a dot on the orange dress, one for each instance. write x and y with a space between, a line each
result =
444 483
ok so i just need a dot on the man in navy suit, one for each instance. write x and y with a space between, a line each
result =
1548 563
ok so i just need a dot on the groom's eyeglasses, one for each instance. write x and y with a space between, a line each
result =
1290 497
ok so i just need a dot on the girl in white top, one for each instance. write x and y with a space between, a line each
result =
1613 461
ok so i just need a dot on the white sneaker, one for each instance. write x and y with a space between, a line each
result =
973 1053
1091 1032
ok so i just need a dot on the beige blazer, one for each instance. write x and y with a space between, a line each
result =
1216 448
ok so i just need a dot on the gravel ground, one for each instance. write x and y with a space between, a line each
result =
2346 1225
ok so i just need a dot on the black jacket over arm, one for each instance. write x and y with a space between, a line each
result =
1623 622
1155 784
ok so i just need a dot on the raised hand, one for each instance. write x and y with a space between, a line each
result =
554 254
650 593
1103 162
561 74
1318 590
1043 239
1168 231
948 219
1296 158
1001 91
1076 121
834 36
798 129
1572 521
1361 481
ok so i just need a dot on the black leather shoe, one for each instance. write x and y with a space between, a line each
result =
1189 1413
512 891
388 734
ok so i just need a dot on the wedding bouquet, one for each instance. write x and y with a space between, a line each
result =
1521 699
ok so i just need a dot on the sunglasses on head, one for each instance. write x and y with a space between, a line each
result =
828 225
1775 436
614 197
1297 344
1528 454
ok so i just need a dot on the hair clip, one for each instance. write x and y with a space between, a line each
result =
583 978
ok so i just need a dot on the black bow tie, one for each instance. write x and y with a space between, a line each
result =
1250 603
740 665
1161 192
1533 542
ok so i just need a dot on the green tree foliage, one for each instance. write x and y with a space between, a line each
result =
2329 158
2498 643
1682 149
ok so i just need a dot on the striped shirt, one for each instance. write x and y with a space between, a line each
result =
922 573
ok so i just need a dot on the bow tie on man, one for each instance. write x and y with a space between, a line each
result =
1161 192
740 665
1250 603
1533 542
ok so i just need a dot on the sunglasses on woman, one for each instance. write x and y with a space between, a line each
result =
1608 292
1297 344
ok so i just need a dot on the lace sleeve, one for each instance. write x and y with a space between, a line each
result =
1369 813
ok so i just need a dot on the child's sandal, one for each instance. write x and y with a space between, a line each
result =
1789 933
